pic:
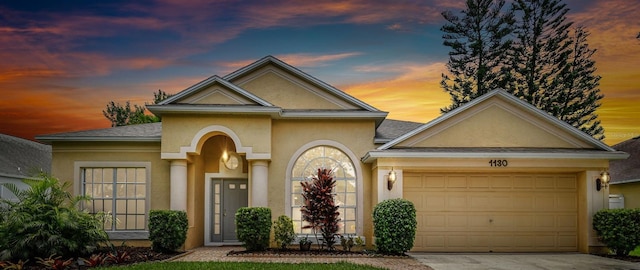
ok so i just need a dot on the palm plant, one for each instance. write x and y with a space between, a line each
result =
45 220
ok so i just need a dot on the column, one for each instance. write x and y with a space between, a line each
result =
259 183
178 199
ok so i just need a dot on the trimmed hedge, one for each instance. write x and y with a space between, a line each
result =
619 229
253 227
167 229
394 225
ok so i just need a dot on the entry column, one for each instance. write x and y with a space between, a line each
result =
259 182
178 200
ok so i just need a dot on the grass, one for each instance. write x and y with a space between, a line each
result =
244 265
635 252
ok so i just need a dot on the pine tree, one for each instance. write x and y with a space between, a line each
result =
478 41
540 51
552 69
580 98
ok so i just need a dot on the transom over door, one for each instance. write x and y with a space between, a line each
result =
479 212
227 197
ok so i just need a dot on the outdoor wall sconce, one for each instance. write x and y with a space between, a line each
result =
602 181
391 179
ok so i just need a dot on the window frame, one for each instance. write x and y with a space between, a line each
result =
359 207
79 168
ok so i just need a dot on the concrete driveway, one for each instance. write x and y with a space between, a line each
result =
537 261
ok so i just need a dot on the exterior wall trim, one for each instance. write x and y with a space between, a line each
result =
193 147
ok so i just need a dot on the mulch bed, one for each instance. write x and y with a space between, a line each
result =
125 256
312 253
622 258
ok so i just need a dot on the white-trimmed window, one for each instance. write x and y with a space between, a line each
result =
122 192
345 191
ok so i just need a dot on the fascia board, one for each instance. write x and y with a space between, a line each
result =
98 139
373 155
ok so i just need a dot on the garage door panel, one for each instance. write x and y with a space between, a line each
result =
499 213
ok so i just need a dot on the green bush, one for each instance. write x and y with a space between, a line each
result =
283 231
394 225
46 220
167 229
619 229
253 227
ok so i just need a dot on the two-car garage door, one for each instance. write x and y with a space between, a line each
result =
480 212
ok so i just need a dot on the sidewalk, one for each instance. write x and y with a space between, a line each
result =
220 254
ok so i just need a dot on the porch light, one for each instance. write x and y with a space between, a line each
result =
225 156
391 179
603 180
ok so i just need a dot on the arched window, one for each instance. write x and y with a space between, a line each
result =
306 166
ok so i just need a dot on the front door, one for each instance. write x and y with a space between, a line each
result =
228 195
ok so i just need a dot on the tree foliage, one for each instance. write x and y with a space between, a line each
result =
478 40
542 59
46 220
319 210
124 115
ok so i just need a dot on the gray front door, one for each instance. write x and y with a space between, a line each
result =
227 196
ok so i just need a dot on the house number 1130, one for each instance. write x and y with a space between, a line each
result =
498 163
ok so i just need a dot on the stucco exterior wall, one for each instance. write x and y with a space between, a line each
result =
66 154
180 130
290 135
630 191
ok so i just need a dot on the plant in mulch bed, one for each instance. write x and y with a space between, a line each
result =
253 227
619 229
167 229
319 209
283 232
394 226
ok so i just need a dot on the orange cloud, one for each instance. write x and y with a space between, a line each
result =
413 95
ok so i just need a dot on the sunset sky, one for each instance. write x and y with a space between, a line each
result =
61 62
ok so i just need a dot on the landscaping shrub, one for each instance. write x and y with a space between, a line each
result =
283 231
46 220
619 229
167 229
394 225
253 227
319 209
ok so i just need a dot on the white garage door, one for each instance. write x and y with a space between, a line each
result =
494 212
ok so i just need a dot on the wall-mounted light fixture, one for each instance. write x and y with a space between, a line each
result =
391 179
602 181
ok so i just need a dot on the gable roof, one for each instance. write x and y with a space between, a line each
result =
627 170
570 141
296 72
22 158
179 103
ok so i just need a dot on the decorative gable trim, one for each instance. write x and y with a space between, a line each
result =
209 82
509 98
277 62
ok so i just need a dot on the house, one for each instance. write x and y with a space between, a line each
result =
20 159
625 174
495 175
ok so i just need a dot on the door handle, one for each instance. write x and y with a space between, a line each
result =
224 214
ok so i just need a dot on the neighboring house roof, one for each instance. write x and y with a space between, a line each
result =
20 158
627 170
133 133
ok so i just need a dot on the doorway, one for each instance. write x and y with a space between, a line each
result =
227 196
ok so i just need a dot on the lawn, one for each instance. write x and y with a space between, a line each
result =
635 252
243 265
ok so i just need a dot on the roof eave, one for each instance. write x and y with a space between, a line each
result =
373 155
182 109
49 139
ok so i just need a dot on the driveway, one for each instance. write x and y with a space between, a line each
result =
537 261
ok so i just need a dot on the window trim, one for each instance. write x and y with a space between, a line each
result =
78 167
356 165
